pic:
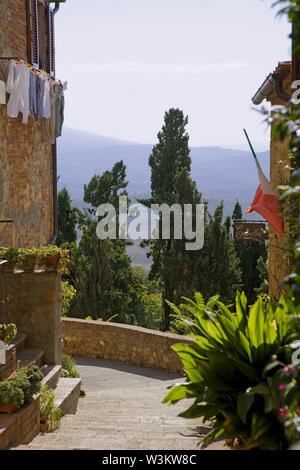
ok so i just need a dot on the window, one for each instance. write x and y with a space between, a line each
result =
40 38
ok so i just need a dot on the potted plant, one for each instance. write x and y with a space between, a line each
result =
27 259
11 256
29 380
53 259
8 332
50 415
11 397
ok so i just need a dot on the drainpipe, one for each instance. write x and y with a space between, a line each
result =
54 189
54 174
279 77
56 8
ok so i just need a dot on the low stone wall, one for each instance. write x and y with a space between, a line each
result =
126 343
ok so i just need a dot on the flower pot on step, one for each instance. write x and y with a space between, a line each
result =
43 427
7 408
52 262
29 265
9 266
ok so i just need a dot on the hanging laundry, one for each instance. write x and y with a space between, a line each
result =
2 92
33 108
35 92
18 87
59 109
48 125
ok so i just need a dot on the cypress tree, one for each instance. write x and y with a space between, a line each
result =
249 253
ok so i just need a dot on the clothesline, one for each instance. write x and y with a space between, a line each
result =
37 72
36 94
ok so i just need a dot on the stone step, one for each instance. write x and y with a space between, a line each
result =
29 356
51 375
20 341
67 394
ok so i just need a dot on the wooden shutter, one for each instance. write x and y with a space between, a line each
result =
51 42
33 32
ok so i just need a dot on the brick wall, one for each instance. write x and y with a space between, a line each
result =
22 426
26 180
126 343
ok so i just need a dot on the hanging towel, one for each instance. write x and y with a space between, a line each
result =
33 95
265 202
2 92
18 87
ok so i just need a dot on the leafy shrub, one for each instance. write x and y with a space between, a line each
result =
68 294
69 365
48 411
29 380
9 393
10 331
229 370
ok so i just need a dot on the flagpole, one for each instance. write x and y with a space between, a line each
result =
252 149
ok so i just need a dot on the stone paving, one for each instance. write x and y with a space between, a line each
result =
123 411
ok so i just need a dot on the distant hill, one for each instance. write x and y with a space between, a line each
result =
220 173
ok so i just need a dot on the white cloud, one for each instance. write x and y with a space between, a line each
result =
138 67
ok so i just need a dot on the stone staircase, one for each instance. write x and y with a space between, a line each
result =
67 391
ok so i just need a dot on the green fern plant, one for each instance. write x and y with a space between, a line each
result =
228 357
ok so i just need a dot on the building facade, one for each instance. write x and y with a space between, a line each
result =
27 164
276 89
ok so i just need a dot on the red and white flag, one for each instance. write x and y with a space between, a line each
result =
266 203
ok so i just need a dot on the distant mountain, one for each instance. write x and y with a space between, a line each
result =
75 140
220 173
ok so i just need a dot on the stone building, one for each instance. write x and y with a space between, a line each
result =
28 179
277 90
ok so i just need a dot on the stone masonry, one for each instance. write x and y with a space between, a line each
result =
126 343
26 179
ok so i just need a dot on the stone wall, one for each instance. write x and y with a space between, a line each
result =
279 261
34 306
26 179
126 343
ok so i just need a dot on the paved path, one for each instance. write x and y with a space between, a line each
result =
123 411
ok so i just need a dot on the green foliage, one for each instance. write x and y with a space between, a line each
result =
9 330
226 367
67 218
262 268
216 268
48 411
171 183
11 394
29 380
68 294
285 126
69 365
249 254
21 387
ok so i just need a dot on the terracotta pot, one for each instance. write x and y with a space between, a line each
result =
7 408
30 264
43 427
52 261
9 266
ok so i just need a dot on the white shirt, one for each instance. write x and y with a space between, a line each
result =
18 87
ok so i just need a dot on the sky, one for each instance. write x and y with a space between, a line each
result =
129 61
